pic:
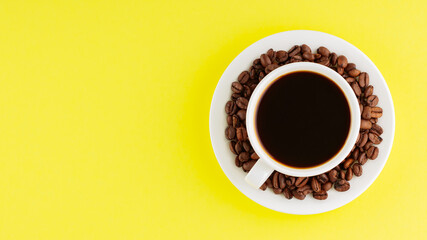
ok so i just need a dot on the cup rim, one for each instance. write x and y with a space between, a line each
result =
354 118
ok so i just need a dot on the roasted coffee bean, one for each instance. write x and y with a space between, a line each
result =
244 156
277 190
229 120
298 195
333 175
324 61
362 158
322 178
342 174
247 166
263 186
261 76
365 124
265 60
252 73
373 131
377 112
350 80
294 51
349 174
238 147
321 195
235 96
271 67
375 138
230 108
247 91
232 145
358 137
363 79
354 72
281 56
367 145
350 67
236 87
235 121
363 140
243 77
315 185
366 114
347 163
356 88
334 58
355 154
271 53
342 185
308 56
230 132
323 51
269 183
287 192
290 181
352 149
254 156
317 56
372 100
305 48
375 153
258 67
327 186
237 162
242 103
342 61
369 90
297 57
241 114
294 60
275 180
247 146
253 86
301 181
241 134
305 189
282 183
372 152
377 128
340 70
373 120
337 168
357 169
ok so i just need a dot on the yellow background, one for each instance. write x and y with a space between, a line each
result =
104 111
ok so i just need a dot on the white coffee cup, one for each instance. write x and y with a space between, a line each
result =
266 165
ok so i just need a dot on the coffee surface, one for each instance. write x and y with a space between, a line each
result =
303 119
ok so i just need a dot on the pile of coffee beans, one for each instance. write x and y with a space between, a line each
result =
339 177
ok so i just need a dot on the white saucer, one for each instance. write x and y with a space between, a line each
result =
284 41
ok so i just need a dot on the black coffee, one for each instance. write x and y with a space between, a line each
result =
303 119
